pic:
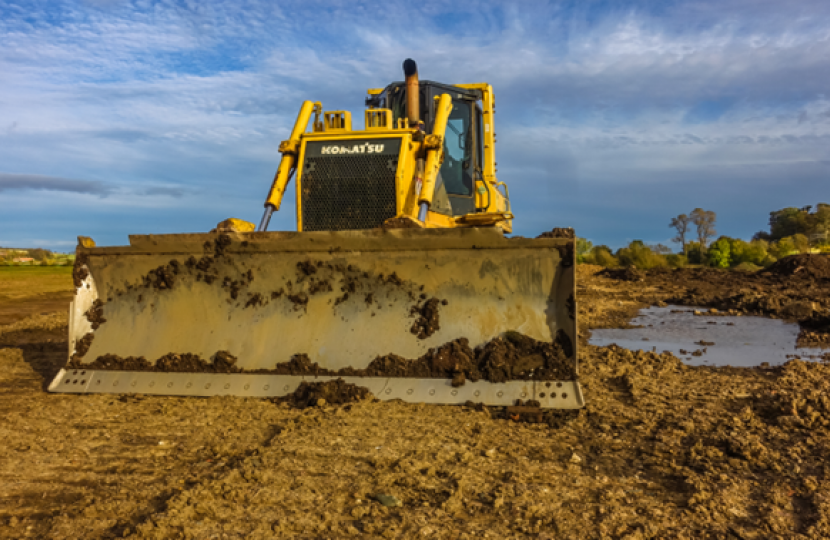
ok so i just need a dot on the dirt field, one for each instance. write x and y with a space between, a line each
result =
27 290
662 450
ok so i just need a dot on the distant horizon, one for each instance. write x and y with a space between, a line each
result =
121 118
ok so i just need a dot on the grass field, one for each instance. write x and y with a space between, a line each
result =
30 290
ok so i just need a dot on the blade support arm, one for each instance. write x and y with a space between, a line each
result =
290 152
434 145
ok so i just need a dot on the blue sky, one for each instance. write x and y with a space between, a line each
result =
131 117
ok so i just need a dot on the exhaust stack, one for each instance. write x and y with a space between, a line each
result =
413 113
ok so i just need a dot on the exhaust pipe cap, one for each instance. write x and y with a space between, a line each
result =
410 68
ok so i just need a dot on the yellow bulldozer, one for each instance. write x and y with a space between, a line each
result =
399 277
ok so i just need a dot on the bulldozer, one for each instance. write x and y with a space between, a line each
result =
401 276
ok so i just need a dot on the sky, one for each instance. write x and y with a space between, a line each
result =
141 117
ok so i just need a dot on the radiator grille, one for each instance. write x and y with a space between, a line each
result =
348 192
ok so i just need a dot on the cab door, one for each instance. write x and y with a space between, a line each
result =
459 166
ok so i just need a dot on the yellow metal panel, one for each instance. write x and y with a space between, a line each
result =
338 121
378 119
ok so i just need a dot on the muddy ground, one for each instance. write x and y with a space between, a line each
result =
662 450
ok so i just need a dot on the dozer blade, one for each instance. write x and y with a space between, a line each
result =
251 314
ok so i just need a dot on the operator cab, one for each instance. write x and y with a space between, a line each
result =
463 140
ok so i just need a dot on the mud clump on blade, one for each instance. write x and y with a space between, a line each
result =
116 363
220 244
95 314
255 299
299 300
193 363
163 277
299 364
81 348
401 223
223 362
186 362
319 286
427 322
516 356
559 232
336 392
203 264
79 270
307 268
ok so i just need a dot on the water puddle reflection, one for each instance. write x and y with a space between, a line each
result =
710 340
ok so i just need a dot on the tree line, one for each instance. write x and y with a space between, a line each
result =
791 231
43 257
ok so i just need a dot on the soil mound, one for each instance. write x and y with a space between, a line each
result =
624 274
802 266
336 392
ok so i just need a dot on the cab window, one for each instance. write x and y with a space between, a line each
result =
458 167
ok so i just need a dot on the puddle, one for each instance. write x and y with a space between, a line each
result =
709 340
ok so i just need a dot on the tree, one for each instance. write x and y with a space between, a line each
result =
762 235
694 255
583 248
39 254
704 221
783 247
660 248
677 260
820 222
754 253
788 222
641 256
801 243
681 224
720 253
602 256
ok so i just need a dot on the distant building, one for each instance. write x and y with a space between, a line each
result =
23 260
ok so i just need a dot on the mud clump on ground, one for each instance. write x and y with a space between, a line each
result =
336 392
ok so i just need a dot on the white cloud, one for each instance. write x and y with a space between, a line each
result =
184 105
